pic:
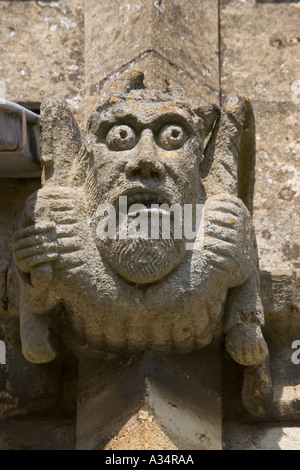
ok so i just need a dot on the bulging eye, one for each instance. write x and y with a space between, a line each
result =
121 138
171 137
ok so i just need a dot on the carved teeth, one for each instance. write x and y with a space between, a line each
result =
145 198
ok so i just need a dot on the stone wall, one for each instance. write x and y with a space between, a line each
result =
214 49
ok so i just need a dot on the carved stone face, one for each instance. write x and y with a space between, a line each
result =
149 150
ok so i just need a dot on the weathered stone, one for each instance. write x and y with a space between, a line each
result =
251 35
26 388
259 42
159 73
42 51
13 194
280 292
151 401
37 435
261 437
282 329
260 49
127 293
164 38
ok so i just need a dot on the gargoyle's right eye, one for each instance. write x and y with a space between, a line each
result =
172 137
121 137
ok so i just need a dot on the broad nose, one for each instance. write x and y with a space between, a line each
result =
145 160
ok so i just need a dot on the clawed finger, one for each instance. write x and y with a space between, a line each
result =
33 230
31 240
220 218
223 233
26 264
36 249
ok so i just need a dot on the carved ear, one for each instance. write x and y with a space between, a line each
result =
60 142
209 115
229 157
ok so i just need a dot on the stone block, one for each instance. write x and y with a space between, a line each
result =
37 435
151 401
260 49
169 40
267 436
42 51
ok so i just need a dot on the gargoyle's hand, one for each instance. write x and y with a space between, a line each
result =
227 220
67 210
50 235
35 245
228 236
246 345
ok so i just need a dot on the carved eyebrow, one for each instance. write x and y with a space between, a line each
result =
105 124
154 123
172 118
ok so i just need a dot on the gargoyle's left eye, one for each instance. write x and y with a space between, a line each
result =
121 138
171 137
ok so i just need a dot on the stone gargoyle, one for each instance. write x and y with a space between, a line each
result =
116 295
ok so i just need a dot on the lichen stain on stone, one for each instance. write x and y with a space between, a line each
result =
286 193
291 251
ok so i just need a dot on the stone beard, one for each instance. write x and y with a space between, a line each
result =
139 259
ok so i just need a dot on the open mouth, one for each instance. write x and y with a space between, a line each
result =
145 198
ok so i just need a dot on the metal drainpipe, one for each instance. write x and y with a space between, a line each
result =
19 141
